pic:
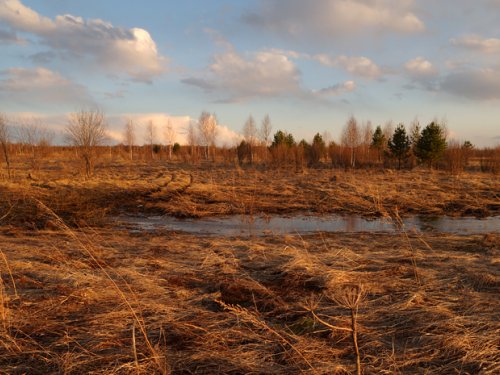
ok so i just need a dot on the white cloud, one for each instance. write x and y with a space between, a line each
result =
131 51
272 73
265 73
225 136
420 68
116 126
328 18
20 17
361 66
477 43
356 65
141 121
40 86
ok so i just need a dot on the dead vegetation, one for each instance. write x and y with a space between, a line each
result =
108 301
197 191
78 295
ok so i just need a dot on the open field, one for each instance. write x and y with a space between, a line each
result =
196 191
80 295
85 300
250 187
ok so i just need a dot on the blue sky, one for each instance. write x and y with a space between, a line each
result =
308 64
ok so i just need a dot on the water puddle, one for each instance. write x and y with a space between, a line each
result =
238 225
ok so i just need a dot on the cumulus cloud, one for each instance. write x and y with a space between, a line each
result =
265 73
40 86
356 65
477 43
422 73
20 17
329 18
272 73
475 84
116 126
132 51
420 68
180 124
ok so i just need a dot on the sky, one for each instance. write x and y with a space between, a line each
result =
309 65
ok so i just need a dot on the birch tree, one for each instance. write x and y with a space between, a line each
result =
265 130
250 135
5 140
86 131
129 137
150 136
351 138
207 126
170 136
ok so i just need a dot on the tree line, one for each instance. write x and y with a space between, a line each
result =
360 145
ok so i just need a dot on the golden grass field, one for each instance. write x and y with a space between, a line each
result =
81 295
184 190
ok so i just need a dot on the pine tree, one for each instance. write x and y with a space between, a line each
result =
283 138
378 141
431 144
399 145
317 149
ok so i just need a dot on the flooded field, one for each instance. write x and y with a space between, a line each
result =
241 225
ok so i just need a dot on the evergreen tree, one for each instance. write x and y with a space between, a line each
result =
283 138
378 141
399 145
317 149
467 150
431 144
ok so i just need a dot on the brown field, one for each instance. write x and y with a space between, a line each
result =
184 190
79 295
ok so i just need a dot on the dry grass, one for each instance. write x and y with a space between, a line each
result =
223 305
80 296
190 191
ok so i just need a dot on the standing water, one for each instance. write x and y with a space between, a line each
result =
237 225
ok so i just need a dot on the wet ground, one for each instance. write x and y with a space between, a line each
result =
240 225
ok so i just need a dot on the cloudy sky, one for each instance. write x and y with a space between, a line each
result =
308 64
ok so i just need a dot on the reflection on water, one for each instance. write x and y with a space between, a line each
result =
302 224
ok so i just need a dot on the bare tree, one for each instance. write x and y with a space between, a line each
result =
150 136
367 131
388 130
351 138
170 137
265 130
86 130
250 135
5 140
129 137
327 137
414 133
207 126
192 138
33 135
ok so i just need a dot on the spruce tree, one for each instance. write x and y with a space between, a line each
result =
378 141
431 144
399 145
